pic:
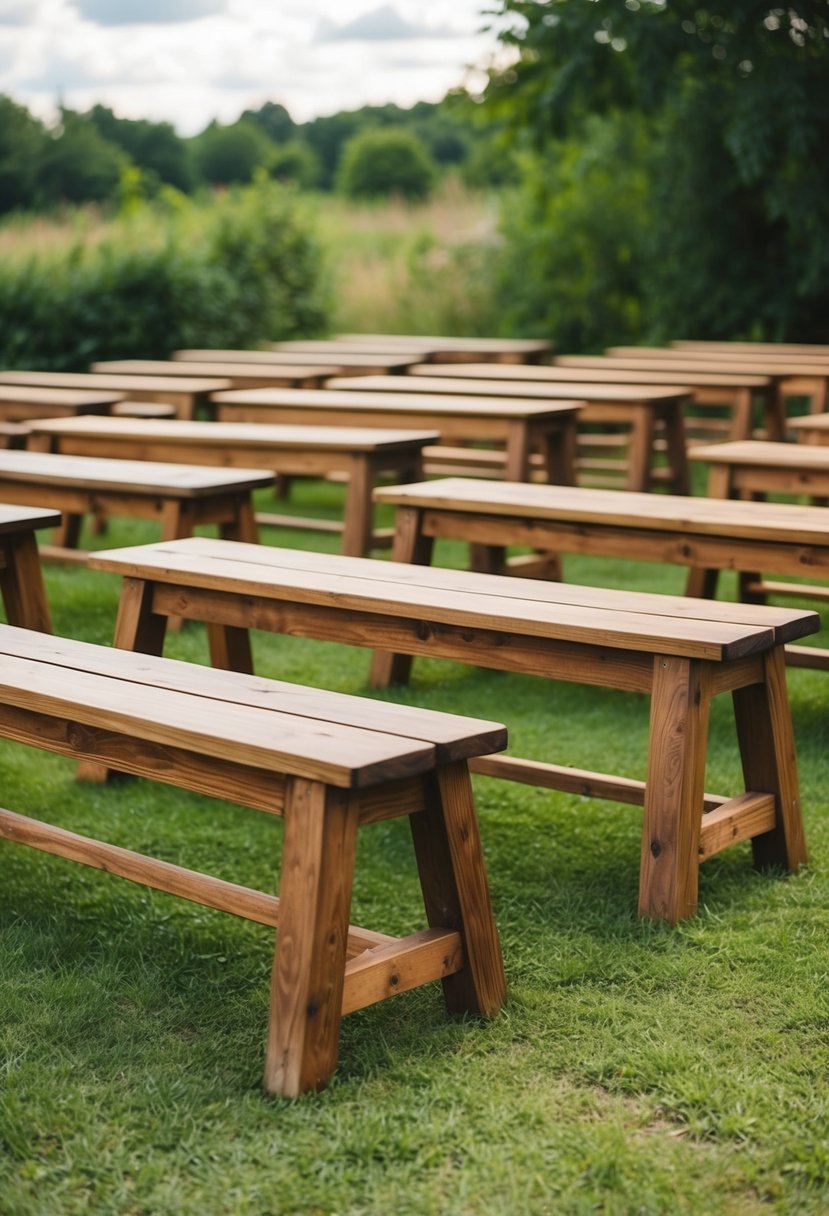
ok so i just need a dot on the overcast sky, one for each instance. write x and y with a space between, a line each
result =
188 61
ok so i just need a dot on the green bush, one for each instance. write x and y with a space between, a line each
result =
242 270
381 162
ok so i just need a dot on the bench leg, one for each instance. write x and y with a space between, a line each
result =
669 870
309 963
410 545
640 449
767 751
138 628
455 891
243 524
358 515
21 584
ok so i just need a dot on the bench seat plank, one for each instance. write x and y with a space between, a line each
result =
238 375
140 477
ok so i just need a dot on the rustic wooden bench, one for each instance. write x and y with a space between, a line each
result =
143 409
343 362
19 403
736 391
443 349
179 496
520 427
753 348
237 375
795 376
327 764
753 468
189 395
683 652
361 455
21 580
637 411
708 535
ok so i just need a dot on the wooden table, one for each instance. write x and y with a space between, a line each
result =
754 348
519 426
235 375
188 394
362 455
707 535
753 468
637 409
812 429
681 652
20 403
344 363
737 390
180 496
21 580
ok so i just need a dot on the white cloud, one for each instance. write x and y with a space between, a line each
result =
245 53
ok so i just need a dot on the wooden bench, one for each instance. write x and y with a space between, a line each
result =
143 409
520 428
736 391
180 497
19 403
327 764
361 455
21 580
682 652
795 376
753 468
189 395
754 348
708 535
443 349
237 375
637 411
341 363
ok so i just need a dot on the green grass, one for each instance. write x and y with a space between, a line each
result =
636 1068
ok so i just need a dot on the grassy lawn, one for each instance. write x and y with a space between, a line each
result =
636 1068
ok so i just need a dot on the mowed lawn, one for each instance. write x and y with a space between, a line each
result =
636 1069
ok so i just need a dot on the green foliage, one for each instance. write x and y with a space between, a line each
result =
242 270
736 102
153 147
21 140
76 163
227 155
295 161
573 236
379 163
274 120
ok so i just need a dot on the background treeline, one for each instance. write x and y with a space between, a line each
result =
98 157
638 172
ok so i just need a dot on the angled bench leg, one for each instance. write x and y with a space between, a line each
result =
410 545
309 963
21 584
767 751
669 870
455 891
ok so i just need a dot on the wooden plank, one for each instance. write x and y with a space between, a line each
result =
543 373
452 736
236 375
609 394
401 965
740 818
141 478
361 362
440 405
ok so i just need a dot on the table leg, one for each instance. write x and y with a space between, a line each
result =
309 962
21 584
677 446
675 787
243 524
410 545
640 448
517 466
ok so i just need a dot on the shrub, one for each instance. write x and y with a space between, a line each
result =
391 160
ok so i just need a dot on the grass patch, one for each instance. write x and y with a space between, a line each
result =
637 1068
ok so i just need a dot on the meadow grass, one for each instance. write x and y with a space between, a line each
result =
636 1068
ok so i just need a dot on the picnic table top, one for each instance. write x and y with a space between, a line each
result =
442 342
21 519
762 364
70 398
399 403
609 394
136 476
764 452
289 358
211 368
775 522
542 372
247 434
118 383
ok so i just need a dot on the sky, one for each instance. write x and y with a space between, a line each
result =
189 61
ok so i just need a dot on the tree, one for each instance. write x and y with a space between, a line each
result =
76 164
736 100
21 142
227 155
154 147
386 161
274 120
